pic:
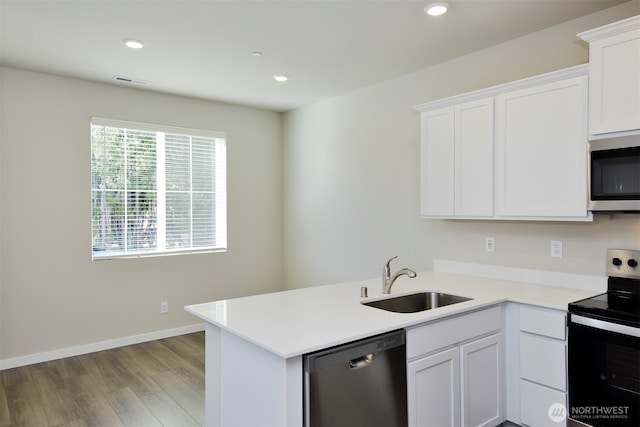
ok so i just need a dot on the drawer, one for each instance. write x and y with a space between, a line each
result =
444 333
543 361
549 323
535 401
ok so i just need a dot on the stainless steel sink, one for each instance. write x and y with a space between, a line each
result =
414 303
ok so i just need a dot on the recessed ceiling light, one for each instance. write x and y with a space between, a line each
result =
133 44
436 9
280 78
256 54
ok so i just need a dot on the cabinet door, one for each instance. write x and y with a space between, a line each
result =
437 162
535 401
614 89
474 158
541 151
543 361
481 372
434 390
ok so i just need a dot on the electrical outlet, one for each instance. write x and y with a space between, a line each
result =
164 307
489 244
556 248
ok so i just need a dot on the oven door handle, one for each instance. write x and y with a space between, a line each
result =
606 326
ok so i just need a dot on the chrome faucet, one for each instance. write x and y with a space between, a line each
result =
388 279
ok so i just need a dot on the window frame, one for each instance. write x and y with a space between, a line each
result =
219 188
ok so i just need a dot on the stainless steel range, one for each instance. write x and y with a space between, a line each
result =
604 348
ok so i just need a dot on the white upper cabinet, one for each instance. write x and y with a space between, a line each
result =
437 162
457 160
614 87
474 159
541 155
515 151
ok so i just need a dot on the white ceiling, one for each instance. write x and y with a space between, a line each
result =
202 48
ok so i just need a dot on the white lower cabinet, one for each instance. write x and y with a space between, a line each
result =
434 390
482 381
542 361
535 401
542 354
454 371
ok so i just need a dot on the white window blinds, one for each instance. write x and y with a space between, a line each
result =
156 189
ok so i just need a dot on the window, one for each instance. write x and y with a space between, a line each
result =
156 190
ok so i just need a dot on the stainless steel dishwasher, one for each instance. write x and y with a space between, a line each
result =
363 383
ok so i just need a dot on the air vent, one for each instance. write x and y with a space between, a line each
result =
129 80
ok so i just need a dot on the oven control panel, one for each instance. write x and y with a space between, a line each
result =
623 263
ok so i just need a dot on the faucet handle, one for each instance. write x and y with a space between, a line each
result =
389 262
386 272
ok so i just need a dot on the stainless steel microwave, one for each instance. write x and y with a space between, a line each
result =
614 175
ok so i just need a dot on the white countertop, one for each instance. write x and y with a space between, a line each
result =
299 321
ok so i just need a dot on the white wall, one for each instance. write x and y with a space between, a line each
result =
52 295
351 175
342 190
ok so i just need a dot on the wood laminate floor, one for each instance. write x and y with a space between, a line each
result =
157 383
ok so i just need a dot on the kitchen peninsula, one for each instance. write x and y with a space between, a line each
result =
254 345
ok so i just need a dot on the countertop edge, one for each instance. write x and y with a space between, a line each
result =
486 292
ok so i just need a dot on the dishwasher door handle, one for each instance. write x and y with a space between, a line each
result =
361 362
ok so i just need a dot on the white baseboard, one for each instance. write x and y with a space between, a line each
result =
30 359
